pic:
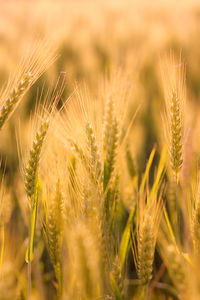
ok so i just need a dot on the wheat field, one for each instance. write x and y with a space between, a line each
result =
99 151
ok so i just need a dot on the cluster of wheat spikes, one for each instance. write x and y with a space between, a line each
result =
96 228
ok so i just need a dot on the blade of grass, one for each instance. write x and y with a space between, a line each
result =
157 181
115 288
168 223
146 173
125 241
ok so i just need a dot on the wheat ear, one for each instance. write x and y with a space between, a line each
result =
32 166
111 137
55 225
117 272
95 161
146 248
14 98
174 85
176 133
176 267
31 183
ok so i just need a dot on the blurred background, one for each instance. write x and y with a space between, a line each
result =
91 39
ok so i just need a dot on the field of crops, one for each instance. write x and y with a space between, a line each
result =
99 150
